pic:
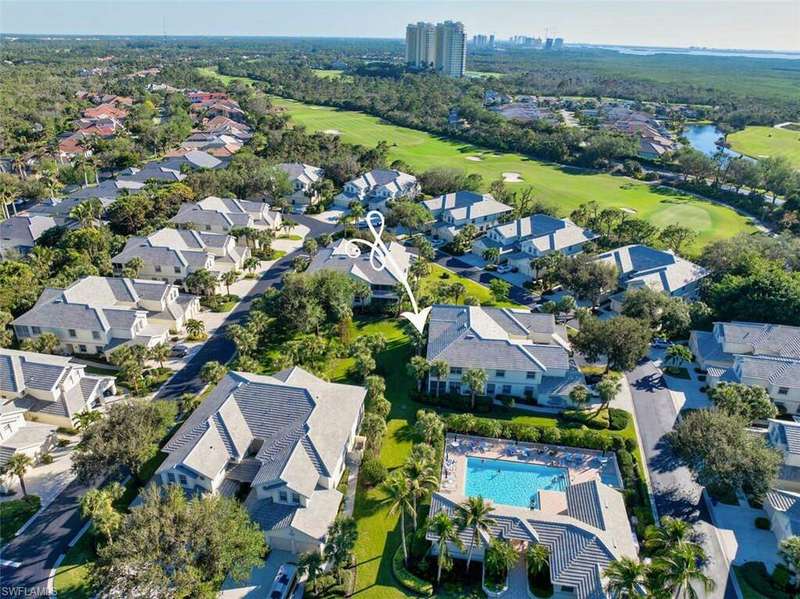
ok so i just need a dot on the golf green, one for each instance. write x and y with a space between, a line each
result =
760 142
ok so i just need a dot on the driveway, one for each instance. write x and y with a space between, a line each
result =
260 581
675 491
517 294
742 539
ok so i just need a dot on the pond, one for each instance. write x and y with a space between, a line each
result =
703 138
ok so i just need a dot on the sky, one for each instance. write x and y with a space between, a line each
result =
739 24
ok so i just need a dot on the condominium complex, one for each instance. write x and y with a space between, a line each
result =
442 46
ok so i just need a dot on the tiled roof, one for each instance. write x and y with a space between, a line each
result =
640 265
336 257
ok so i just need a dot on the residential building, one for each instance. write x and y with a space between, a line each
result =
583 524
96 315
421 45
52 389
18 234
302 178
377 187
221 215
170 255
451 49
783 511
784 435
453 211
766 355
525 239
382 283
524 354
642 266
442 46
282 439
18 435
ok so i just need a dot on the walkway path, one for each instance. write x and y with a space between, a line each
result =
518 580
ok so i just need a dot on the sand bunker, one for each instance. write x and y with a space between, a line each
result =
474 158
629 210
512 177
332 132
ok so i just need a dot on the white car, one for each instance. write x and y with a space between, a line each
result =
437 242
504 268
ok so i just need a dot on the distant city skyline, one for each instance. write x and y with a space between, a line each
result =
720 24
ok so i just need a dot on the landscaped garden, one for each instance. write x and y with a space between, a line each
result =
15 513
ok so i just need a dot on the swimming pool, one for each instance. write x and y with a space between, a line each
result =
511 483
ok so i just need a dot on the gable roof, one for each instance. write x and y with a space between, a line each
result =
466 205
662 270
23 230
494 338
544 231
336 257
764 339
305 173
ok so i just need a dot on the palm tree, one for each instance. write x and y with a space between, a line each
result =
310 564
18 465
608 388
251 264
85 419
47 343
475 378
458 290
681 569
342 537
201 281
133 267
672 533
422 480
441 370
159 353
475 515
195 328
229 278
418 367
626 578
537 558
579 396
446 531
676 355
500 558
398 498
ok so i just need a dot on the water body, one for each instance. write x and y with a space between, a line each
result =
639 51
704 138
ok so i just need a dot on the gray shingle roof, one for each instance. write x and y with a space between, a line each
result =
659 269
764 339
336 257
475 337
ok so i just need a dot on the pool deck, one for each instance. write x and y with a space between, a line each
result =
581 464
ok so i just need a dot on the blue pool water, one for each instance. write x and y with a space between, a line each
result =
511 483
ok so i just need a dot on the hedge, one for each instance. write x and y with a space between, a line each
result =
408 580
755 574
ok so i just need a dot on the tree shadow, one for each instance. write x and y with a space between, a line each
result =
650 383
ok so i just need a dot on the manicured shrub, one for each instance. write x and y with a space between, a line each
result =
46 458
373 472
781 576
618 419
407 579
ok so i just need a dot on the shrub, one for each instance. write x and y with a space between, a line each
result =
67 430
762 523
62 442
757 576
407 579
781 576
590 418
46 458
618 419
373 472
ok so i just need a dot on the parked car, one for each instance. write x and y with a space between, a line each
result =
437 243
504 268
180 351
285 582
660 342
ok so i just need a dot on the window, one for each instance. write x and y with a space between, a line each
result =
567 589
295 498
530 375
95 334
82 349
282 495
783 390
500 374
529 392
158 267
183 479
490 389
170 477
72 333
456 370
506 389
22 330
455 387
36 330
177 270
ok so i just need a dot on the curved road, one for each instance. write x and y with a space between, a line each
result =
41 544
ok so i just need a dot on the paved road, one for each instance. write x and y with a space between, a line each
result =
38 548
676 493
516 294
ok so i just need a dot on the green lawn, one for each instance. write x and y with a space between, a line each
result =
760 142
328 73
476 290
226 79
15 513
564 187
